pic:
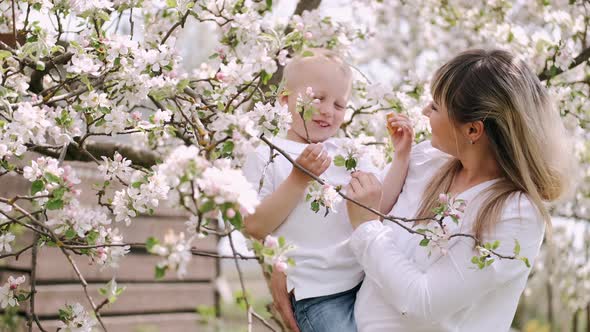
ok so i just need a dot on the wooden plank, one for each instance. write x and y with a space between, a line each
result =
52 265
142 228
136 299
12 184
163 323
152 323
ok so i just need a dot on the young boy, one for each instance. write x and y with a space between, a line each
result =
324 282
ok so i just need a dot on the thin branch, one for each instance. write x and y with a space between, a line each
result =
32 314
84 286
14 23
18 253
582 57
244 294
176 25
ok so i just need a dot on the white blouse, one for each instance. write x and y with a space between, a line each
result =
413 288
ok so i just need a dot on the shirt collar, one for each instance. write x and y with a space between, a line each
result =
296 147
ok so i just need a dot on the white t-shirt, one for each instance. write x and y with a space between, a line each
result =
405 289
324 261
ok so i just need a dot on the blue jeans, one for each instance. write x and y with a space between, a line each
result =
326 313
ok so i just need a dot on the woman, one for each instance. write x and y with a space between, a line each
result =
498 144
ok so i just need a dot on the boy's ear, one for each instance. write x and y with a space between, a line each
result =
284 99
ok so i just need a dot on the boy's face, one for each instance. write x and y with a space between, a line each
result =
331 85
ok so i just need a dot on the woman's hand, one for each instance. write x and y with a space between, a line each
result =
364 188
282 300
401 132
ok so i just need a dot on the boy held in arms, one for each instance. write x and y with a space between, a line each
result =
322 286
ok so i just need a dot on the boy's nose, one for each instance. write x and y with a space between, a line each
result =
325 109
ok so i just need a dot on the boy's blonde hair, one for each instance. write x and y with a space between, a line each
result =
296 66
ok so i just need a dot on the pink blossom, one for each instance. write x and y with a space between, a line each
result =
281 266
271 242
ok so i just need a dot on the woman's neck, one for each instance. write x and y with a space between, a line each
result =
475 169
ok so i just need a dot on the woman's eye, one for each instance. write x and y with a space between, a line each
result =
339 106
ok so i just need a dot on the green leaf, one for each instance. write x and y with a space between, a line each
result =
496 245
308 113
86 81
37 186
136 184
475 259
52 177
150 243
339 161
350 164
160 272
424 242
209 205
70 234
4 54
307 53
516 247
282 241
265 77
103 15
55 204
315 206
228 147
59 192
237 221
526 261
257 246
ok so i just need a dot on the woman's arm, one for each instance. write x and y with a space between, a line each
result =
451 282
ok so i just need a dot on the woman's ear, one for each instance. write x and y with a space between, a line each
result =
474 130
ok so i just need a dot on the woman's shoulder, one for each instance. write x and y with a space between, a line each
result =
521 217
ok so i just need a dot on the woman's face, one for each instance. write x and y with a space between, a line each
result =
444 134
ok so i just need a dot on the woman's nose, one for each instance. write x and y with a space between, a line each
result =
426 110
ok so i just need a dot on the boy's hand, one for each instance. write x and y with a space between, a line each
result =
401 132
313 158
366 189
281 299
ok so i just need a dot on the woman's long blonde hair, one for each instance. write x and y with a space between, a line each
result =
525 131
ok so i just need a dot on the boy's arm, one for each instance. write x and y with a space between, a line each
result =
402 135
394 181
276 207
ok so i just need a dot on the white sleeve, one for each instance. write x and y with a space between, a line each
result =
452 282
259 172
421 153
